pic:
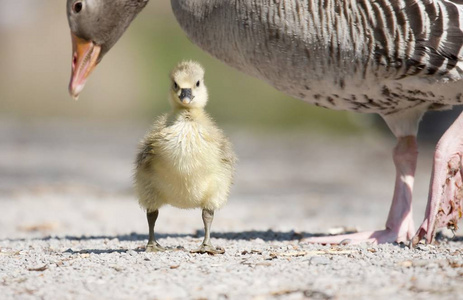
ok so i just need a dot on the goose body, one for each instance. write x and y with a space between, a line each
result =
391 57
365 56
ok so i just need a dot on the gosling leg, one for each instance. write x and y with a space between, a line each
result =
153 245
206 246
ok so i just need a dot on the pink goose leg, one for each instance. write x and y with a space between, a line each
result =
445 202
399 225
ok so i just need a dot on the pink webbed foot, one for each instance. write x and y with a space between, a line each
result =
374 237
445 202
399 225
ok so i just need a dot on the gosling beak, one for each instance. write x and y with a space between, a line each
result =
186 96
84 59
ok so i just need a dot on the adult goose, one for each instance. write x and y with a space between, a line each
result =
396 58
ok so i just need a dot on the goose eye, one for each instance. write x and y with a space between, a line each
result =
197 84
175 85
77 7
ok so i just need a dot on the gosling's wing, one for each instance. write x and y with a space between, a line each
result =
216 136
228 157
145 155
147 149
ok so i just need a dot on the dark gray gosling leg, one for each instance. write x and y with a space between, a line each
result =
152 245
206 246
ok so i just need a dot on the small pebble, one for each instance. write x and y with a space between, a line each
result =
319 260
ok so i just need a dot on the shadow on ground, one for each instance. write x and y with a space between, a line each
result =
268 235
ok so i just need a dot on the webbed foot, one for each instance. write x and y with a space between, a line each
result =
399 224
154 247
209 249
374 237
445 202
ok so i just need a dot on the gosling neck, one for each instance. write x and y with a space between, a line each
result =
191 111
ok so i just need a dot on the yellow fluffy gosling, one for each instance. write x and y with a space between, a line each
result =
185 160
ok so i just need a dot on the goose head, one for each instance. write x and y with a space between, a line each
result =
96 25
188 89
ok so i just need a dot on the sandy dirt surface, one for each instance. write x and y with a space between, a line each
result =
70 226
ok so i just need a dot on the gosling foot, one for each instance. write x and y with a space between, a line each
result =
154 247
209 249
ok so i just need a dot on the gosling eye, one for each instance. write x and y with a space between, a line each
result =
175 85
77 7
197 84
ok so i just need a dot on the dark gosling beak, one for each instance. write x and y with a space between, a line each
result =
186 96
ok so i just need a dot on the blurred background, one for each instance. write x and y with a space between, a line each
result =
50 143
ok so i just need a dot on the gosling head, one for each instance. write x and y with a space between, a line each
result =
187 86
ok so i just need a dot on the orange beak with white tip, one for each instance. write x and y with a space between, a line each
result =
84 59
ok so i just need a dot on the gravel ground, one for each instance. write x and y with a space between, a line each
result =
70 227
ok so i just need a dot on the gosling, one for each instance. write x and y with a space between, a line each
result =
185 160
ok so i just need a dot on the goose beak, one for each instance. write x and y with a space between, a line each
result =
84 59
